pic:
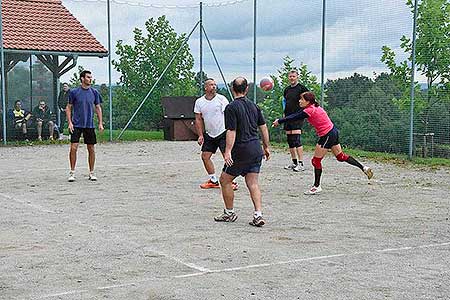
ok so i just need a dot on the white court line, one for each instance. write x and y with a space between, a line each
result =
190 265
36 207
207 271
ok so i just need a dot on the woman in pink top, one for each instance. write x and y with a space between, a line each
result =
328 138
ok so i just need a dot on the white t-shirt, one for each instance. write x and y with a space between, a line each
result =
213 114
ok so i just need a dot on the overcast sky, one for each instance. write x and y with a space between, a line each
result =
355 32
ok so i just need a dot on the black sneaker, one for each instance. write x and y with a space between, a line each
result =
258 222
226 217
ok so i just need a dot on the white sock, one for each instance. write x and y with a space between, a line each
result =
257 213
229 211
213 177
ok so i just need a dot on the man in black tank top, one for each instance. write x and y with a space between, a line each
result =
294 128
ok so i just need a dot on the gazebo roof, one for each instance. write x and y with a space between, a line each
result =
45 27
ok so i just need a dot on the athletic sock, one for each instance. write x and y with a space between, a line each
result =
257 213
354 162
213 177
317 174
294 161
229 211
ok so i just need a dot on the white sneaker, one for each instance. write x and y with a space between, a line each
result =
92 177
298 168
314 190
368 171
289 167
71 177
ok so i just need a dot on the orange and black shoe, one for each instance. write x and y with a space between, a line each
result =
210 185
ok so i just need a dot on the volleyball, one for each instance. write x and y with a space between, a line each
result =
266 84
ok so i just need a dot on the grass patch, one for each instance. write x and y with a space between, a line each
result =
132 135
398 159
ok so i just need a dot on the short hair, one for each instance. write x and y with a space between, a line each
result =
208 79
239 85
17 101
65 83
293 71
83 73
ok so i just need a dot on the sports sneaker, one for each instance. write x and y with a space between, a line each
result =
92 177
314 190
226 217
290 167
71 177
210 185
368 171
298 168
258 222
235 186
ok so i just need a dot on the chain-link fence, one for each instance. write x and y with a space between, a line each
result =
366 70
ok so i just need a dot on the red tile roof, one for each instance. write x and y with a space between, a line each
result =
45 25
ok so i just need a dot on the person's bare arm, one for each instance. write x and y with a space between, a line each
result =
69 117
200 128
230 139
265 140
98 111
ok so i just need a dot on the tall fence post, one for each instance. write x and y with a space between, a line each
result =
108 4
201 49
2 65
322 68
254 51
413 70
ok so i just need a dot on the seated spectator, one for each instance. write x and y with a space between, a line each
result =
20 118
43 115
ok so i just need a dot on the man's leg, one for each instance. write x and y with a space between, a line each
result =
39 130
213 181
73 155
251 180
51 129
91 157
228 198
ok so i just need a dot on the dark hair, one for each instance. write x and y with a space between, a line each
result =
293 71
239 85
17 101
83 73
208 79
309 97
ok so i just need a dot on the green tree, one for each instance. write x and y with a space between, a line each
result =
141 63
272 103
432 58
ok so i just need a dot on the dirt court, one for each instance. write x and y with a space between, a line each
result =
145 230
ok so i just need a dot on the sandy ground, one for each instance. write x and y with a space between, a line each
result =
145 230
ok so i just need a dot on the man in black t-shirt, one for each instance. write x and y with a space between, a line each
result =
294 128
243 153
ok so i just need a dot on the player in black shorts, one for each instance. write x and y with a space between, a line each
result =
243 152
294 128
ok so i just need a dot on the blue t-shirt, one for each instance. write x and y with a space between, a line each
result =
83 102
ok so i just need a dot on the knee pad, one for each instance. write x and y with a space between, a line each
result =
342 157
294 140
316 162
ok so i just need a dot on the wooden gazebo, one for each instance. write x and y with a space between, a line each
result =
46 29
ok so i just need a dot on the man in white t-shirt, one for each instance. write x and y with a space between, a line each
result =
210 123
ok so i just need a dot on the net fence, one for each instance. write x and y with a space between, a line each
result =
366 71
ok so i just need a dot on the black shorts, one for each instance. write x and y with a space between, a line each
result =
211 144
292 126
88 135
330 139
242 169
